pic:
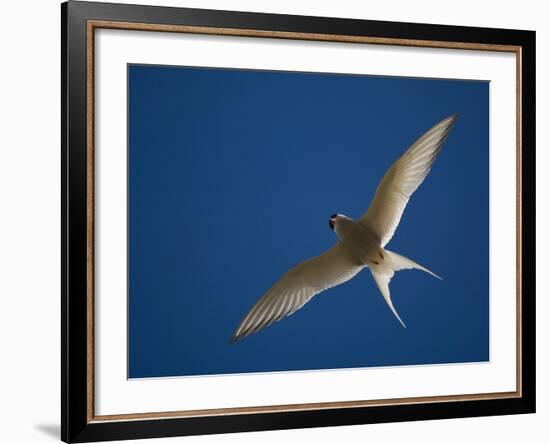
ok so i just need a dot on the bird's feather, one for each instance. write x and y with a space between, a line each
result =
296 287
398 262
382 277
383 273
402 180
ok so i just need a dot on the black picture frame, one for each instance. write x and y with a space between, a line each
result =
76 326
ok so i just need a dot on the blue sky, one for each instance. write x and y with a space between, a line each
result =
232 177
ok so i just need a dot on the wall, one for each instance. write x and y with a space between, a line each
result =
30 208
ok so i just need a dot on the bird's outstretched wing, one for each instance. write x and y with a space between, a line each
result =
402 180
297 286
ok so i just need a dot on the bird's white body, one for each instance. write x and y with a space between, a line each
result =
357 239
361 243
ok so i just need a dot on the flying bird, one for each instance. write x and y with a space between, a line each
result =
361 243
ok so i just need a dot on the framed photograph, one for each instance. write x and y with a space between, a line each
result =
276 221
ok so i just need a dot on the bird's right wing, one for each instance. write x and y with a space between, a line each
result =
297 287
402 180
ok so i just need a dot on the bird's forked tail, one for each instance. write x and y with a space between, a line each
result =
383 273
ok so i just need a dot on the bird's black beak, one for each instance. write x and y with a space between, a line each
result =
332 221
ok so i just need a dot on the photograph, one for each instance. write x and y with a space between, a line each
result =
288 221
280 221
232 221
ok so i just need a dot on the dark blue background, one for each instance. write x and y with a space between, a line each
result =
232 177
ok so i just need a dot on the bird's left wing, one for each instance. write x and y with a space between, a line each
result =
402 180
297 286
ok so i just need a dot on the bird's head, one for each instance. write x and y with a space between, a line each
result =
332 221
